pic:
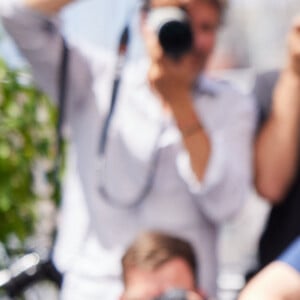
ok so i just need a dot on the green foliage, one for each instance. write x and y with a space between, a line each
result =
27 132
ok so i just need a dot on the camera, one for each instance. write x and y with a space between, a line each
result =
171 24
173 294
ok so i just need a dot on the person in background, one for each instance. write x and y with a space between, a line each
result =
279 280
158 263
277 161
174 154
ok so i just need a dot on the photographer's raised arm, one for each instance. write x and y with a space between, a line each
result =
277 146
36 31
217 163
194 136
47 6
173 82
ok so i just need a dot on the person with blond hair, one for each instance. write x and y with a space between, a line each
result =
158 264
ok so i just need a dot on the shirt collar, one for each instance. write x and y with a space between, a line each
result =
206 86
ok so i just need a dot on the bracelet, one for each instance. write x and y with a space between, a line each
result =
189 131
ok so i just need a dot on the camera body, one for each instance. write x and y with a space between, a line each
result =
171 24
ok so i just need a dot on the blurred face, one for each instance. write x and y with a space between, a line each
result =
205 20
145 285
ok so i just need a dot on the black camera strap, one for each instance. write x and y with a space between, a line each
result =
48 267
62 84
136 200
122 51
62 97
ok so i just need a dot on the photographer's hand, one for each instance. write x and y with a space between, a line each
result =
47 7
172 80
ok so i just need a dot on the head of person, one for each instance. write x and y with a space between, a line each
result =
156 262
204 16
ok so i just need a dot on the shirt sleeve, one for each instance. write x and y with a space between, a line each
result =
262 91
228 178
291 255
39 40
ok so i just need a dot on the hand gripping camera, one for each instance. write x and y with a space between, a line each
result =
171 24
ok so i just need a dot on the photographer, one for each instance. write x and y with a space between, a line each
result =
157 143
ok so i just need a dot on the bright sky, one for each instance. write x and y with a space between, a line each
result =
95 21
98 21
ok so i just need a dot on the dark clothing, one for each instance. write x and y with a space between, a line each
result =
283 224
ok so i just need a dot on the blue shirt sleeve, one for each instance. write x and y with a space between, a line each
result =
291 255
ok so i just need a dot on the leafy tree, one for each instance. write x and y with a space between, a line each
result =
27 136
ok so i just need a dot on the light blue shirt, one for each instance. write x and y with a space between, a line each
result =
291 255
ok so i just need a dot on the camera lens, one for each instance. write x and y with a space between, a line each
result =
172 27
175 38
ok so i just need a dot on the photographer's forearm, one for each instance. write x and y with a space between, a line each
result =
47 7
193 134
277 147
